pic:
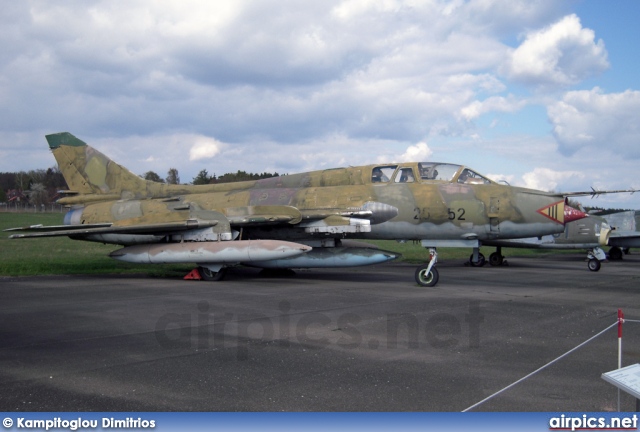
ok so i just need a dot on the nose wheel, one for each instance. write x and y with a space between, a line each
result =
593 264
594 257
427 275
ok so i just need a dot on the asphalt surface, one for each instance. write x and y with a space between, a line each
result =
364 339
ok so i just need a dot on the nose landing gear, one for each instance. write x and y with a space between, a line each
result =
427 274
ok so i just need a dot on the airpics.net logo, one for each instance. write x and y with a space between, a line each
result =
205 329
587 422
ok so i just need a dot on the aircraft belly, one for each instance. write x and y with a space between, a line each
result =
407 230
450 230
546 242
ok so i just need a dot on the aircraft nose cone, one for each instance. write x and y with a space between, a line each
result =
571 214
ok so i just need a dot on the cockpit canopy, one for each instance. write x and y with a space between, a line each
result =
426 172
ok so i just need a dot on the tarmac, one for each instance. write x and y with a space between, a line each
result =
358 339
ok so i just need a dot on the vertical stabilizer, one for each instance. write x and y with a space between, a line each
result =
87 171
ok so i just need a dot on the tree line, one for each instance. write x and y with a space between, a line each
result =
203 177
40 187
36 187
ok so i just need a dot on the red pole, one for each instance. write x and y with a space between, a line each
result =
620 322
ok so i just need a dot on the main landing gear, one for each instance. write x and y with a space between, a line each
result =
616 253
427 275
206 274
495 259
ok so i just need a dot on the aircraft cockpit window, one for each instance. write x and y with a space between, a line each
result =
471 177
405 175
382 174
437 171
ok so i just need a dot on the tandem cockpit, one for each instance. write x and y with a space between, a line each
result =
426 172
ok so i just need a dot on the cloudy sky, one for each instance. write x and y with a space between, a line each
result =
544 94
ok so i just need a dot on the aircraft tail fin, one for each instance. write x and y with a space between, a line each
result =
90 175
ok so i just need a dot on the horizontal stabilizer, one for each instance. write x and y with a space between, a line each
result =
47 228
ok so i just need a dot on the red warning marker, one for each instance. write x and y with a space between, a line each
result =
193 275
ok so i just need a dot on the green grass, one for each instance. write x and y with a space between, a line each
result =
61 255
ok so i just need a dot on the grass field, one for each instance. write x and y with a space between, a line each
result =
61 255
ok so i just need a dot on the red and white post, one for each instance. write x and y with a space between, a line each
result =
620 322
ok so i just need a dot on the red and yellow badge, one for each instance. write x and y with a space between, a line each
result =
561 213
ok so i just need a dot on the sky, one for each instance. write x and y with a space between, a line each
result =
539 93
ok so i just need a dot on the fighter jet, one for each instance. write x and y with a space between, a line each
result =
294 221
617 230
625 233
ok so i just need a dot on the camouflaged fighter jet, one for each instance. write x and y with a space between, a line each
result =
616 230
295 221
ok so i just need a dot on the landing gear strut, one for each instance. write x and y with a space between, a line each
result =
479 263
427 275
477 259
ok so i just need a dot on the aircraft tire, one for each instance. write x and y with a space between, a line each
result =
211 276
593 264
424 279
481 261
496 259
615 253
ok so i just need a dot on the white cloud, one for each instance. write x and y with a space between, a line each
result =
298 86
501 178
597 120
493 104
204 148
561 54
547 179
416 153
